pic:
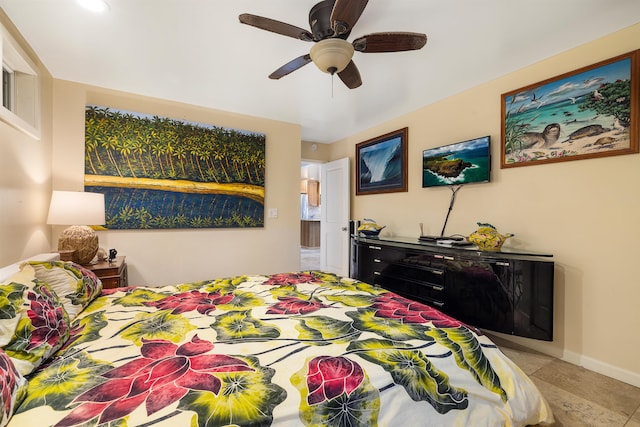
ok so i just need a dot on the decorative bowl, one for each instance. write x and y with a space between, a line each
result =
371 233
487 238
369 228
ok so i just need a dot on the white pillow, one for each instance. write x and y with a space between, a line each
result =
11 269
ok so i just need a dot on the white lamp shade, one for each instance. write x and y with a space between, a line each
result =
76 208
331 55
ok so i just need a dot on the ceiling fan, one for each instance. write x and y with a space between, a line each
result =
331 22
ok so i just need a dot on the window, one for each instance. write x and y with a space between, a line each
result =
7 86
20 87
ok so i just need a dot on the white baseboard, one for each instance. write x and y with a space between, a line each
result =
589 363
603 368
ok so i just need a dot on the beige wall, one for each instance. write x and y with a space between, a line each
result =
585 212
25 177
158 257
315 152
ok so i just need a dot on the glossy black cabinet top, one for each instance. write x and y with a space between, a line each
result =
413 242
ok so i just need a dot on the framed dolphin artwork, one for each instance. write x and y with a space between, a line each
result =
587 113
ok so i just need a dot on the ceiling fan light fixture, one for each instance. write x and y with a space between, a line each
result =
332 55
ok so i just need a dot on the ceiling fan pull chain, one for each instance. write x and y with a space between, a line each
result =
332 75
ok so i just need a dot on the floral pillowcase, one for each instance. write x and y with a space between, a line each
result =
75 285
13 388
33 322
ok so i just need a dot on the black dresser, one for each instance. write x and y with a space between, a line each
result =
507 291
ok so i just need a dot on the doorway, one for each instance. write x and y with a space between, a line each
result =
332 200
310 216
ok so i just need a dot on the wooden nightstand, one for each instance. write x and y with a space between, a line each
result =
112 274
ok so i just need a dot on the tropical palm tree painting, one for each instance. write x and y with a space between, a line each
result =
163 173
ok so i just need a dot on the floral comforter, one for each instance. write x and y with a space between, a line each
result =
308 348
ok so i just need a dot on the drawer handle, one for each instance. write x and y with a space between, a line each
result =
376 260
502 263
438 303
378 248
376 273
437 288
438 272
439 256
449 258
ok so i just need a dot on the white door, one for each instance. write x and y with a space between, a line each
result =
334 217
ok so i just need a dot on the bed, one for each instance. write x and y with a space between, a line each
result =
305 348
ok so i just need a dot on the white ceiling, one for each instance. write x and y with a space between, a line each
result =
197 52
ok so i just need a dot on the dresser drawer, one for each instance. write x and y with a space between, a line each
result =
112 274
431 276
110 282
425 260
417 290
377 254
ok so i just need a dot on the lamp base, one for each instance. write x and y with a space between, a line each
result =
81 239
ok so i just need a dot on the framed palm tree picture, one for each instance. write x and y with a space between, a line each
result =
163 173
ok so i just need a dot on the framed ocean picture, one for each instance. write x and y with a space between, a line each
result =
163 173
590 112
460 163
381 163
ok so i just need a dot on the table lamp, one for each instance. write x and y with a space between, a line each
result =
78 209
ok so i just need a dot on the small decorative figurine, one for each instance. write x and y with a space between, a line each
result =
369 228
112 255
102 255
487 238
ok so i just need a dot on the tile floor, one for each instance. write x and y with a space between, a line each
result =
309 259
578 397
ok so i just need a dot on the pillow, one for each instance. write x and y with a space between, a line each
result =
13 388
11 269
75 285
33 321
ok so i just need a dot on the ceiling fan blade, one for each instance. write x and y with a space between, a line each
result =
390 42
345 14
350 76
290 66
275 26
